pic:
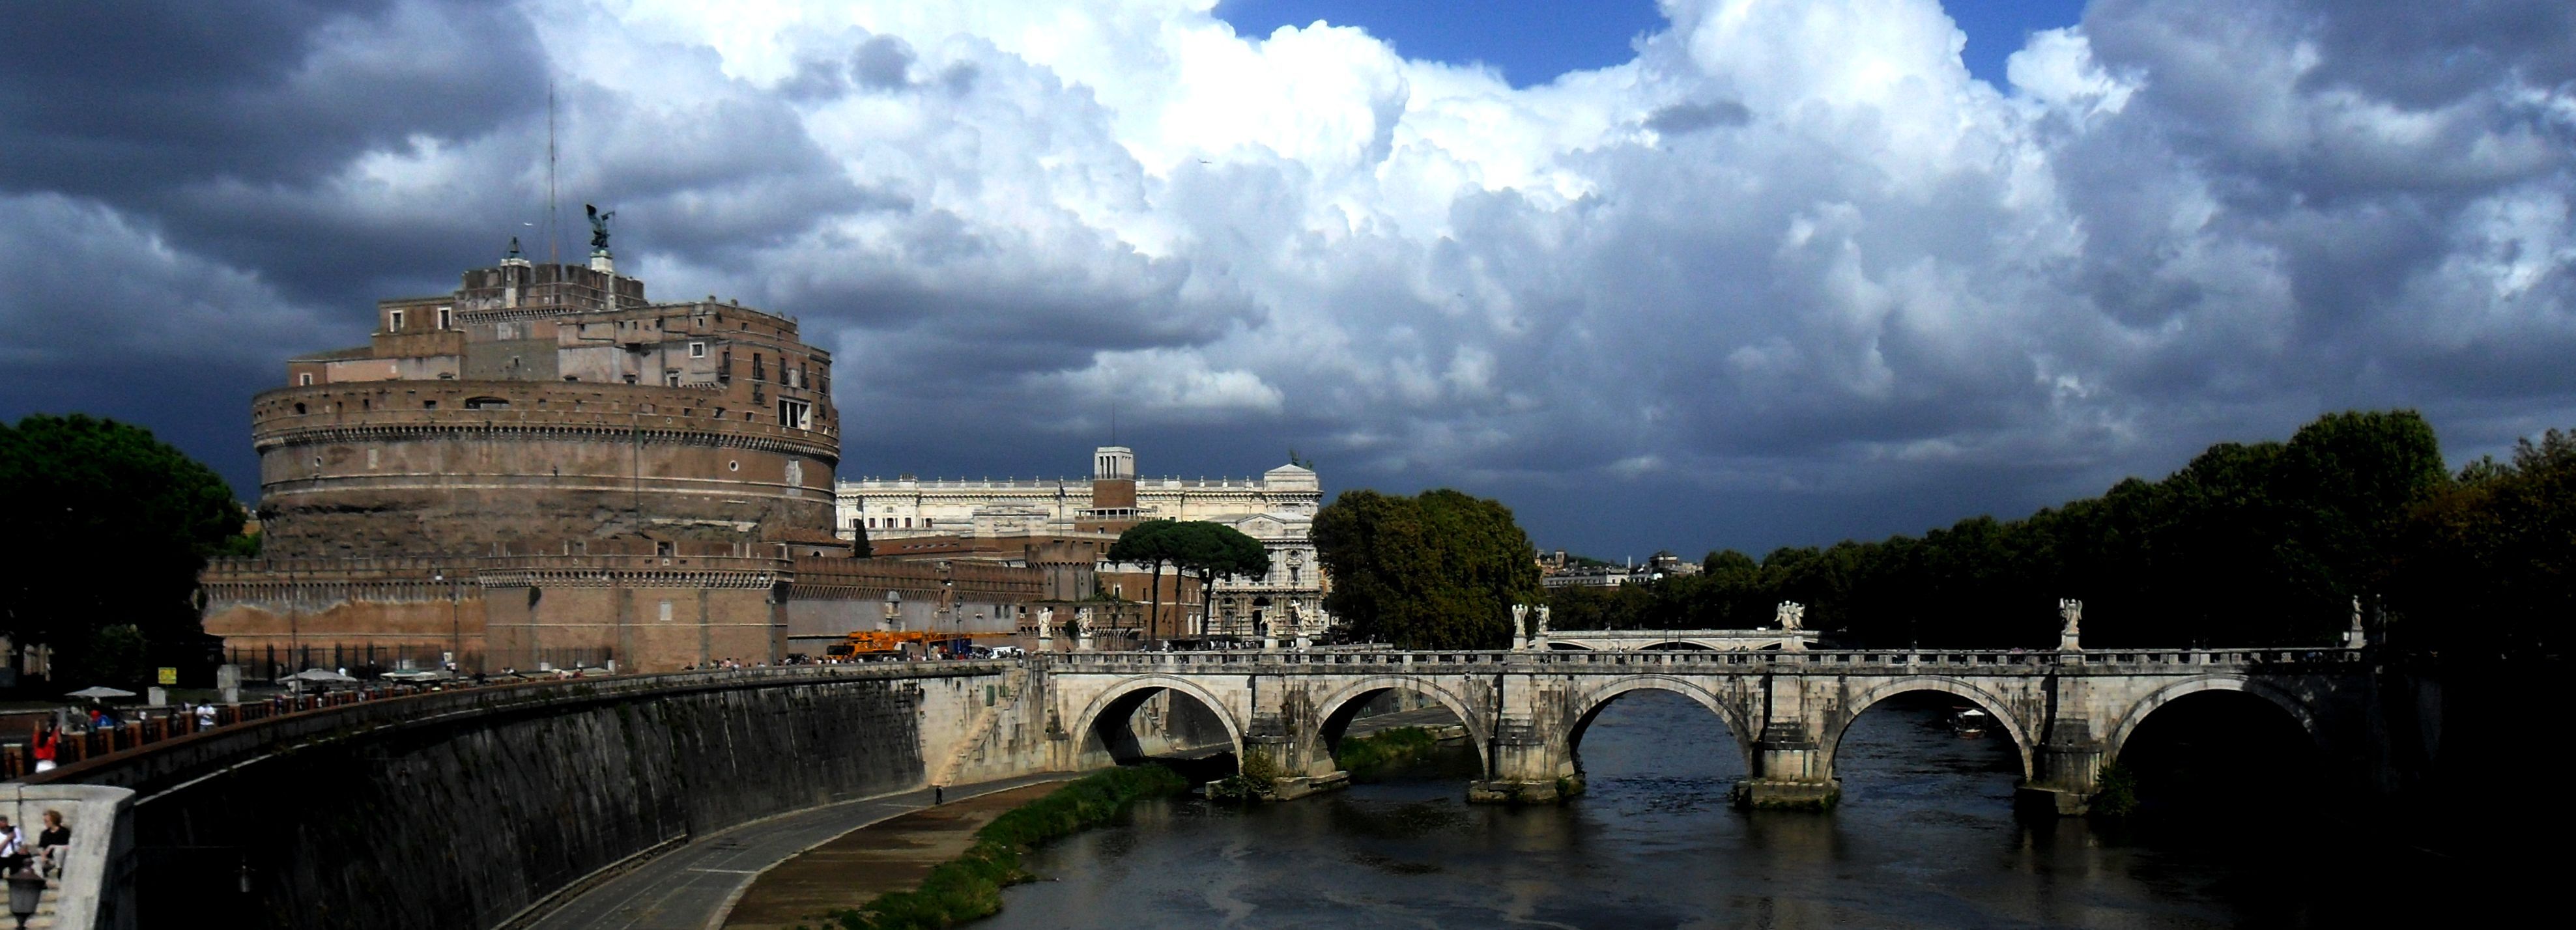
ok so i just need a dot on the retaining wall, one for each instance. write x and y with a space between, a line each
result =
463 808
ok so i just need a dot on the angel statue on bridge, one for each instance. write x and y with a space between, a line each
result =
1046 623
1542 623
2071 611
1791 614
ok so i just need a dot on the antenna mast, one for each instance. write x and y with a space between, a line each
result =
552 256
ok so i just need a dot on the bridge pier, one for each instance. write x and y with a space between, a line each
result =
2066 767
1789 772
1527 769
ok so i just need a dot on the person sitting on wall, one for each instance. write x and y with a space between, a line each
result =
53 841
13 848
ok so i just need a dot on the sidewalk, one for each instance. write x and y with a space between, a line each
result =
892 856
691 887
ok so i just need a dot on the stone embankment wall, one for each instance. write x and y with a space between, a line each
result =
465 808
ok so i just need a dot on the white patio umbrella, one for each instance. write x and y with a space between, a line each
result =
100 692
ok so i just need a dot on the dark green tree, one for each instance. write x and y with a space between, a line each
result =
113 526
2488 561
1212 551
2249 544
1435 571
1148 544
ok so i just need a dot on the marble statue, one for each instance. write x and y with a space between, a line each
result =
2071 611
1790 615
1542 622
1046 623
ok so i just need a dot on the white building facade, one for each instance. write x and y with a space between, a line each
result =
1277 508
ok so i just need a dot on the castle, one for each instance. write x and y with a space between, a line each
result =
545 467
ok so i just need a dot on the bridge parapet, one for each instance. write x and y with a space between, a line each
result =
2153 661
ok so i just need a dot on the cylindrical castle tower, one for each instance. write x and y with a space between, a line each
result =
541 407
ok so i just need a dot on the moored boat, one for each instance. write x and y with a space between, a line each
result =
1970 722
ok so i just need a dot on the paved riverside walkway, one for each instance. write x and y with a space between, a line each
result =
896 855
690 888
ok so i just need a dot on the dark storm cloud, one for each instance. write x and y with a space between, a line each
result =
1898 298
127 100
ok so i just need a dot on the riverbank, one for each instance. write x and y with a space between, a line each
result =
848 872
969 884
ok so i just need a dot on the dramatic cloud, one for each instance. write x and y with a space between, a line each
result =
1789 274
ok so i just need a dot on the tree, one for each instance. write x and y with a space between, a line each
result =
2489 559
1212 551
1435 571
2262 543
1148 544
860 547
113 527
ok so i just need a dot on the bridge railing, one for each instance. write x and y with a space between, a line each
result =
1988 659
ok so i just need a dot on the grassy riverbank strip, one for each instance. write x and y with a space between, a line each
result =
970 886
1366 757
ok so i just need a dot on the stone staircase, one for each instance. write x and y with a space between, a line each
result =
976 732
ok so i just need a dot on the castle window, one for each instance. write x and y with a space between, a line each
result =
796 413
304 380
697 350
299 410
671 378
393 321
446 318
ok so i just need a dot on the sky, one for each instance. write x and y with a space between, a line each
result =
1689 275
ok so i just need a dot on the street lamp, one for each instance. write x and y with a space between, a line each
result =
26 894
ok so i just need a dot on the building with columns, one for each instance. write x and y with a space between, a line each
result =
1278 508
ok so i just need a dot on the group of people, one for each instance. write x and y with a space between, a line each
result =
47 854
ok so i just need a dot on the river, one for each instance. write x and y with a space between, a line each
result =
1925 837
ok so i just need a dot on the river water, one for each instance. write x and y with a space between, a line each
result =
1925 837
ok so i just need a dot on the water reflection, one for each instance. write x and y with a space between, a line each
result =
1925 836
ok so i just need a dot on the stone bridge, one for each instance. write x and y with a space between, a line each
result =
2067 712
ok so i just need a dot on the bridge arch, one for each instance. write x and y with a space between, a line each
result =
1122 699
1993 704
1332 714
1589 706
2138 712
